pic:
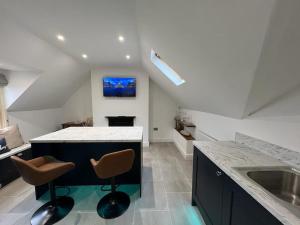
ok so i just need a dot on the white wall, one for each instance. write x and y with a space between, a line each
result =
283 131
18 82
162 111
107 106
79 106
36 123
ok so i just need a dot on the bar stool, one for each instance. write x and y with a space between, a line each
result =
44 170
111 165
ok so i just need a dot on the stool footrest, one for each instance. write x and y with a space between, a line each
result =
52 212
113 205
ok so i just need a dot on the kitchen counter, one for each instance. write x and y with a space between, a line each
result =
229 155
80 144
92 134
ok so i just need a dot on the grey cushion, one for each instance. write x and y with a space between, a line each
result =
12 136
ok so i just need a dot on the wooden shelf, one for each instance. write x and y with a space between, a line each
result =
188 124
187 137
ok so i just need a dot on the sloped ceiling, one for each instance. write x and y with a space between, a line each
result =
277 72
59 74
214 45
89 26
237 56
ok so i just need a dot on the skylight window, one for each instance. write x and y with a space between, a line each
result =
166 69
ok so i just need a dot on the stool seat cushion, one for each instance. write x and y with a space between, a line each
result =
41 170
113 164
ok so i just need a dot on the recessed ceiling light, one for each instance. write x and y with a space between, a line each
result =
84 56
127 57
121 38
60 37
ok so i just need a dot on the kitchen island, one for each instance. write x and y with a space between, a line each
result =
225 195
80 144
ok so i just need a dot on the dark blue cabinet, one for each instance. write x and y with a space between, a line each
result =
220 200
8 171
208 189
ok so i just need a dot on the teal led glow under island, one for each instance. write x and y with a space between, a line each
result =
80 144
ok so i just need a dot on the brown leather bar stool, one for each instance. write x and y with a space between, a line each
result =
44 170
111 165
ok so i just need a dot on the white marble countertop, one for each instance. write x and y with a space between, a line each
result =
15 151
92 134
228 155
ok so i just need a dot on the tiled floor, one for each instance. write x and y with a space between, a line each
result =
165 199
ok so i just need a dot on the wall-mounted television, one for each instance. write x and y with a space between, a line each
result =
119 87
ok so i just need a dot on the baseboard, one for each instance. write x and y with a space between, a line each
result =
182 151
157 140
145 144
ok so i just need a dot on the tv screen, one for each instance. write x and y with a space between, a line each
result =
119 87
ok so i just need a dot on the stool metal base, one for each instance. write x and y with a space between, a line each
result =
51 213
113 205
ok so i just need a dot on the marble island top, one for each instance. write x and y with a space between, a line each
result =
92 134
229 156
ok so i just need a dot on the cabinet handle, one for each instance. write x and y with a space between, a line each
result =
19 154
219 173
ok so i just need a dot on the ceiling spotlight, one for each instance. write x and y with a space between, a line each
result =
84 56
121 38
127 57
60 37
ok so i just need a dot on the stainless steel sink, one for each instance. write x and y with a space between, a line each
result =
282 182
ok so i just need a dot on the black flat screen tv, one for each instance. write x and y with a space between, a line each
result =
119 87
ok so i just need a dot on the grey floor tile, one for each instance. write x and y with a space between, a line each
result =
172 172
151 171
9 204
27 205
166 176
16 188
73 218
182 212
152 217
178 185
187 168
153 197
11 218
85 218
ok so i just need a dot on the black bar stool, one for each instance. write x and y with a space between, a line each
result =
43 170
109 166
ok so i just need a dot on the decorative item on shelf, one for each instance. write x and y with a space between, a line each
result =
88 122
188 124
72 124
185 133
181 123
178 123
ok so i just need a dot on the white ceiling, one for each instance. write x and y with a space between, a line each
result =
236 56
214 45
59 75
89 26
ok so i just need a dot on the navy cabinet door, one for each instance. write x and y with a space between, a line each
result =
241 209
209 189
